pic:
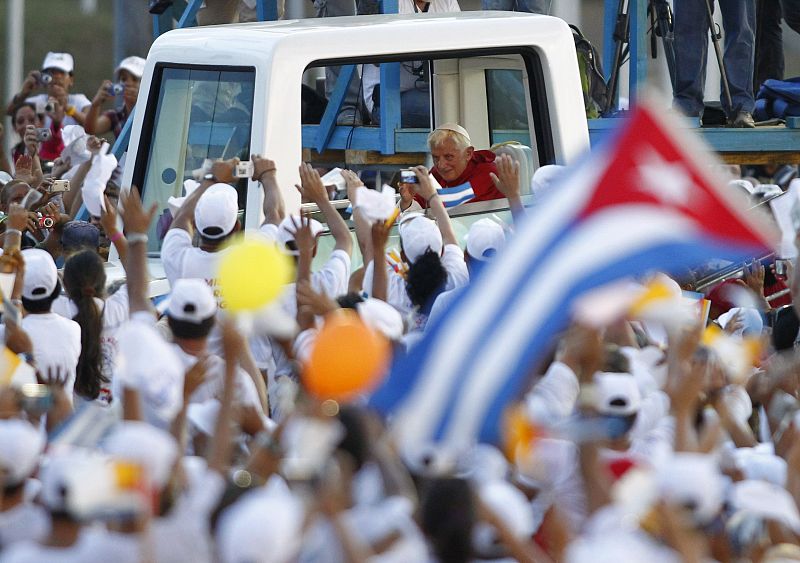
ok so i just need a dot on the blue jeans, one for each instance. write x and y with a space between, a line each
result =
532 6
691 48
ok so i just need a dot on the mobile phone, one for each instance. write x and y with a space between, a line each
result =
244 170
780 267
408 176
43 134
35 398
59 186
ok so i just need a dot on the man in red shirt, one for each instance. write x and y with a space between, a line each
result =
456 162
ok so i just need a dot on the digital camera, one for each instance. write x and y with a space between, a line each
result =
408 177
43 134
115 89
244 169
46 222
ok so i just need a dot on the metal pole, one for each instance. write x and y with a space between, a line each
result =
15 55
726 89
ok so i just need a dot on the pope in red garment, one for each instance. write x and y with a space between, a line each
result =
456 162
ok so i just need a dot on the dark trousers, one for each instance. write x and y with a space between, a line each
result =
691 49
769 37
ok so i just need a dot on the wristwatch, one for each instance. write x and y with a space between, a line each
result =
210 177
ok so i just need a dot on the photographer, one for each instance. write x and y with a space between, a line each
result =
128 75
56 78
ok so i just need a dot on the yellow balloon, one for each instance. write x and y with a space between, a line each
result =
252 274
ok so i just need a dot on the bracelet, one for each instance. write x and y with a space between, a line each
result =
71 111
116 237
14 232
134 238
428 201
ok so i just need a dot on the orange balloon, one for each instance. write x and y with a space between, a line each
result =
347 358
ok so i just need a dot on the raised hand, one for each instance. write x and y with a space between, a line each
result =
303 235
108 217
317 304
134 217
507 178
311 187
194 377
352 182
262 166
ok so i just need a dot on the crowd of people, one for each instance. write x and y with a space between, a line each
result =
177 432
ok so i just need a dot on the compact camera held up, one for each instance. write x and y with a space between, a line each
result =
43 134
115 89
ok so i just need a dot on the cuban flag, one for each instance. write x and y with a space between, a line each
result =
643 201
456 195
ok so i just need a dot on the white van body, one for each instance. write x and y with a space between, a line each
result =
280 52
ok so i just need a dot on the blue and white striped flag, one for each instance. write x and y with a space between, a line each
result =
638 203
456 195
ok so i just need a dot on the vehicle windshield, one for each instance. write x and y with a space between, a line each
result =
200 114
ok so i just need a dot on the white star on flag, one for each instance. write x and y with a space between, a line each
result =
668 182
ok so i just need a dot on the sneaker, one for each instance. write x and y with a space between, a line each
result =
743 120
349 117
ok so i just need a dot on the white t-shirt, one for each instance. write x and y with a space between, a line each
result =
94 545
78 101
115 311
56 343
183 260
453 263
245 391
183 534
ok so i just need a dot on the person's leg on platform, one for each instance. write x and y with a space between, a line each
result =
739 19
691 49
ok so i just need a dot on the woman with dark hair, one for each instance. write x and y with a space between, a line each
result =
447 517
85 281
431 251
99 318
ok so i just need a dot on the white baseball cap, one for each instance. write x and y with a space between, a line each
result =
692 479
150 447
216 212
380 316
20 447
59 61
53 476
41 274
286 231
134 65
160 383
191 300
510 505
485 239
544 177
617 393
265 525
766 500
418 235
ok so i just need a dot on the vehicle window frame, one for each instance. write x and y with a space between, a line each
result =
539 106
148 124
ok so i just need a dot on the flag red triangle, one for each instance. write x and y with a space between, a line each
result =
652 163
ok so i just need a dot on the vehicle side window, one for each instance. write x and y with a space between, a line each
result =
200 114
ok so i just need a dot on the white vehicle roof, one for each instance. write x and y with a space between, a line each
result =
280 51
